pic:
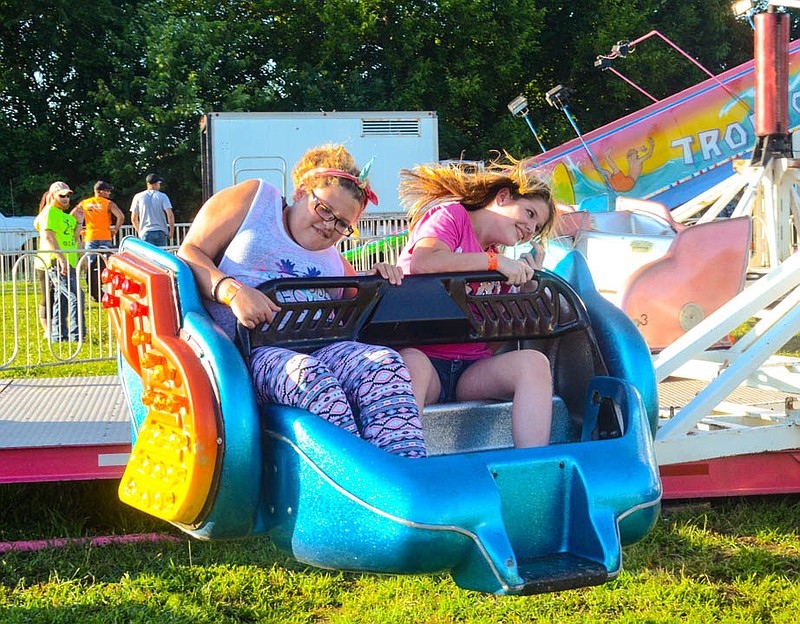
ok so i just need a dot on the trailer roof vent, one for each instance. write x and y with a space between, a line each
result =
390 127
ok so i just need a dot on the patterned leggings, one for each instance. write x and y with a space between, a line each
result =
363 389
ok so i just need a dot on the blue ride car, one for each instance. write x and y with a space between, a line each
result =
211 461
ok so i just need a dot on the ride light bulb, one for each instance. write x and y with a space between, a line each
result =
130 287
138 309
106 275
109 301
149 360
139 338
162 373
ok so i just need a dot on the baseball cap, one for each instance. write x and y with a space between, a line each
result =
60 188
152 178
100 185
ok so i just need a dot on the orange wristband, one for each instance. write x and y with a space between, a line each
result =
492 260
231 290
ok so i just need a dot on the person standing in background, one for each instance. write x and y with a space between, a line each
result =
151 213
95 214
40 273
58 232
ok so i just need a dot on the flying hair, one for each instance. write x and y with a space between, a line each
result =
474 186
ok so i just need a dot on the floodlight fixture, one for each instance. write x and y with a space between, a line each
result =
742 7
789 4
518 106
622 49
558 96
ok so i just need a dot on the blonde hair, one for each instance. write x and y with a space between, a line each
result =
328 156
474 186
44 201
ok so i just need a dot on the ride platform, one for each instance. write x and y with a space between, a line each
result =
63 429
742 431
78 428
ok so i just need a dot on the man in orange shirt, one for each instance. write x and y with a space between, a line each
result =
94 213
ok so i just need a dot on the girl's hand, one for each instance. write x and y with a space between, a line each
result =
393 274
534 258
251 307
517 272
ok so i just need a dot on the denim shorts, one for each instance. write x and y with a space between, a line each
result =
449 372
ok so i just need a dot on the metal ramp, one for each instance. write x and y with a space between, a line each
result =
62 429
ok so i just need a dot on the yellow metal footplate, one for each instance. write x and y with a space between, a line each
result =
170 473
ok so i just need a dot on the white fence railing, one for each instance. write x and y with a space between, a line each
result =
26 344
25 335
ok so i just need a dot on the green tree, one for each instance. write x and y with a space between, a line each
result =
116 88
573 39
51 56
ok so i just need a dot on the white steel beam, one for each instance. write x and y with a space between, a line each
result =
746 304
728 193
725 443
692 207
730 378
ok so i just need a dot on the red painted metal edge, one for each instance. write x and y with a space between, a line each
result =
63 463
741 475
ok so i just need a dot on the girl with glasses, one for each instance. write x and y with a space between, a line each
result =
247 234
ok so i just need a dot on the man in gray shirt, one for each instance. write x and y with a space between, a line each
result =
151 213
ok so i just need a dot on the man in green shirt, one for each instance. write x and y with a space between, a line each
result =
58 232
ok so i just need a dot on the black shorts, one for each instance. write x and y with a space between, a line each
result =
449 372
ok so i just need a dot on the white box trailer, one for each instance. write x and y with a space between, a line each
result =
241 146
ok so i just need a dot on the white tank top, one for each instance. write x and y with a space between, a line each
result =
262 250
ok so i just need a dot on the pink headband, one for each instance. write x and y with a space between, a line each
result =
360 181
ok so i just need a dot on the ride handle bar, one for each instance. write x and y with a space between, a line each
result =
424 309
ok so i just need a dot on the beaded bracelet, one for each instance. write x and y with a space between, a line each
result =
492 260
215 286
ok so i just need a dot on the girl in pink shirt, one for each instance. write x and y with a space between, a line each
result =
460 218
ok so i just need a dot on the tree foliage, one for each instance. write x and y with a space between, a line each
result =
114 89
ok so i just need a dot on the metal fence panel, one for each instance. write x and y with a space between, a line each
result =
25 343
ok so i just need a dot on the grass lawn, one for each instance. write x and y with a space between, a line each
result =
732 560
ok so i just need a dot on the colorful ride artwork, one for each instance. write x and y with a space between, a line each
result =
672 150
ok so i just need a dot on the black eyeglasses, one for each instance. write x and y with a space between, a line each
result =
62 195
326 214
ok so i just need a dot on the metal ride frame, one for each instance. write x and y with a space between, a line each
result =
712 446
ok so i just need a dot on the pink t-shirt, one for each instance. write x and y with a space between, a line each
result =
450 224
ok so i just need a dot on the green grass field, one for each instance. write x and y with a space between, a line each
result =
733 560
